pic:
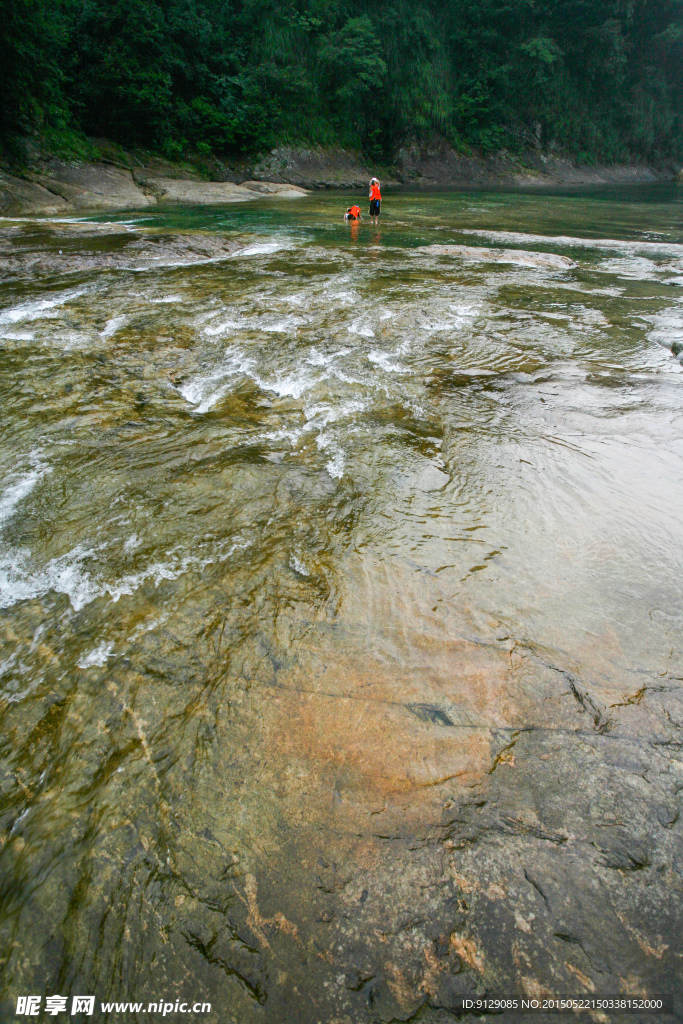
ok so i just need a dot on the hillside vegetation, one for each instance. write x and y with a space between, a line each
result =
597 79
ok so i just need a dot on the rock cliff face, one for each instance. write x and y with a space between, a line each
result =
438 165
314 168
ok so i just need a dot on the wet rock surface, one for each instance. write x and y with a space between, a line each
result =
519 256
90 186
340 665
18 197
317 167
61 187
436 164
172 190
73 249
399 860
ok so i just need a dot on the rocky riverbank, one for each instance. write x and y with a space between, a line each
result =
59 186
438 165
47 185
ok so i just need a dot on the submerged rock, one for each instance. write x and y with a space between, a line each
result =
543 260
335 749
105 246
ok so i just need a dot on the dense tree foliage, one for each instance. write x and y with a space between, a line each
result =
598 78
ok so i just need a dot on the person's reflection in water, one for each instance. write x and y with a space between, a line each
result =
353 215
375 247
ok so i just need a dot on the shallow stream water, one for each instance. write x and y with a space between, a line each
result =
336 562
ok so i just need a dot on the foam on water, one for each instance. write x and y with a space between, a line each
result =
316 358
112 326
438 326
38 309
74 339
668 327
10 666
655 248
533 260
335 467
590 317
292 436
384 360
251 250
239 545
464 312
634 268
98 657
203 393
21 581
292 385
321 415
44 220
211 314
17 335
223 328
362 328
260 249
298 566
156 572
18 486
289 323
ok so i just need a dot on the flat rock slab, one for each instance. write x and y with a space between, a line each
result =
274 188
93 186
24 197
173 190
87 247
60 187
544 260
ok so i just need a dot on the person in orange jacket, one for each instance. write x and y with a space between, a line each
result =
375 198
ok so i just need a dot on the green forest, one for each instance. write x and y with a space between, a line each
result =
595 79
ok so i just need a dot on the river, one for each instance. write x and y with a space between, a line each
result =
340 604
